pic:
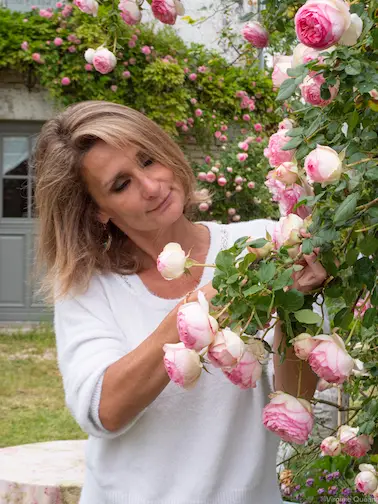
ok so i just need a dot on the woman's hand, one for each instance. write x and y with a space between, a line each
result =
311 276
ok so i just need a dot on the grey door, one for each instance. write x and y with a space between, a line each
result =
18 301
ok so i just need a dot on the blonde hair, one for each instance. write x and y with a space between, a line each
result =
70 241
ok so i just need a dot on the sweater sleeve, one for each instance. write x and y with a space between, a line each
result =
88 342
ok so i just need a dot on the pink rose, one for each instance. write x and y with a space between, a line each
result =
114 88
243 146
222 181
246 117
256 34
24 46
251 185
358 446
126 74
323 165
131 44
58 41
88 67
303 54
247 371
286 173
258 139
198 112
238 179
201 176
171 262
207 159
242 156
286 124
72 49
196 328
303 345
330 446
274 152
66 81
193 77
311 91
104 61
223 138
289 197
281 65
202 69
367 480
218 134
67 11
227 347
165 11
130 12
193 101
146 50
182 365
258 127
321 23
224 127
210 177
36 57
288 417
374 94
59 5
330 360
203 207
287 231
87 6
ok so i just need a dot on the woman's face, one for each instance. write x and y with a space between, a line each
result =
131 189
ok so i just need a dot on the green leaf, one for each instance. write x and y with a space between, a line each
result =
257 243
294 132
369 317
307 317
353 68
291 300
343 318
353 120
224 261
302 152
232 279
292 144
297 71
351 256
287 88
283 280
252 290
266 271
346 209
369 245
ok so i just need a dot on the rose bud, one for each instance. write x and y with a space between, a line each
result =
195 326
167 11
183 365
288 417
323 165
287 231
330 360
286 124
226 349
286 173
331 446
320 24
346 433
246 372
366 481
171 261
303 345
255 34
261 252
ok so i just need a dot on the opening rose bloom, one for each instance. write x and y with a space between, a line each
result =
286 124
87 6
89 54
274 152
353 33
311 91
256 34
226 349
303 54
167 11
330 360
287 231
183 365
130 12
321 23
195 326
104 61
246 372
281 66
171 262
346 433
367 480
289 197
288 417
286 173
331 446
358 446
323 165
303 345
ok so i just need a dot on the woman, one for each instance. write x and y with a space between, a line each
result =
112 190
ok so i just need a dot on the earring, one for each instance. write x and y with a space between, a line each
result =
108 240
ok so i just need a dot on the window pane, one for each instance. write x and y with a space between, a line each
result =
15 155
15 198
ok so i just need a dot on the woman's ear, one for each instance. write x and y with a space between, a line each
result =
103 217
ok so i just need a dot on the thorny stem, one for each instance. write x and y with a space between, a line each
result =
358 162
218 315
367 205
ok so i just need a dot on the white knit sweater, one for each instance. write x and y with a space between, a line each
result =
203 446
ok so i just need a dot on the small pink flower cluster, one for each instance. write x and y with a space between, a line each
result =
246 102
347 441
46 13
